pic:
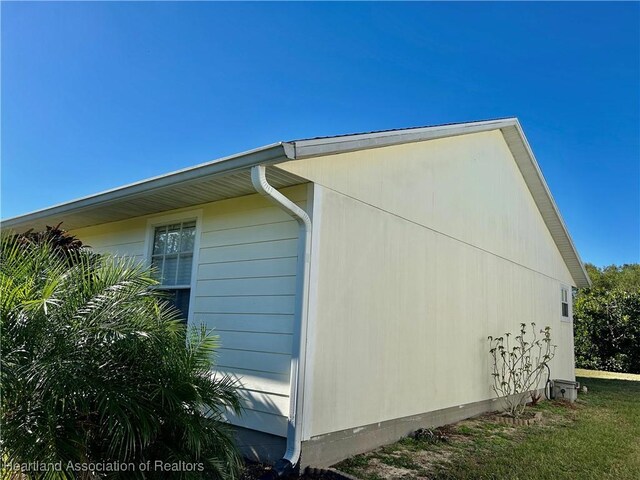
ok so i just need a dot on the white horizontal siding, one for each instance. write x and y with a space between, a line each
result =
282 285
264 422
246 322
257 268
264 402
249 251
124 239
282 304
277 363
245 291
256 341
266 382
264 214
252 234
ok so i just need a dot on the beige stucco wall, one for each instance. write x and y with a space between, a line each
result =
420 252
244 289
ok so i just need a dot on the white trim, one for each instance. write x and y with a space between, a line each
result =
316 203
184 216
347 143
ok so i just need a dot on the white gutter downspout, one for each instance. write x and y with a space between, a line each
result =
294 429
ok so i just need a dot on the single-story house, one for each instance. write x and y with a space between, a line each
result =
353 280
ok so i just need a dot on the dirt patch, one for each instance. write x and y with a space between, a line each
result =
388 471
431 461
253 471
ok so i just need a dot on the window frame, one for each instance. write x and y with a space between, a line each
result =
156 221
567 289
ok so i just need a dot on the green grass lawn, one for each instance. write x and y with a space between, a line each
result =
598 437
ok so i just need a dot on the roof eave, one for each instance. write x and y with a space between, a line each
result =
348 143
586 280
266 155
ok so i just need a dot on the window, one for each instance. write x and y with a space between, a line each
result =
172 259
565 302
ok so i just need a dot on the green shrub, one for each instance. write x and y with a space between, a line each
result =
95 368
607 319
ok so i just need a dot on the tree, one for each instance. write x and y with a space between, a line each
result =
614 277
607 320
96 368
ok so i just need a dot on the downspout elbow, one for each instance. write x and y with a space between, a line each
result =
262 186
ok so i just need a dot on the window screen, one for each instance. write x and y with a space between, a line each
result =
172 260
172 255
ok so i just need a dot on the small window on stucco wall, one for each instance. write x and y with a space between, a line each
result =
564 292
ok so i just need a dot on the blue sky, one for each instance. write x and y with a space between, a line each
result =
96 95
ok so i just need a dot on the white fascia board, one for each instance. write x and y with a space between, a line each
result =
557 216
348 143
267 155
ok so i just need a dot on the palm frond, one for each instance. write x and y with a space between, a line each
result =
95 366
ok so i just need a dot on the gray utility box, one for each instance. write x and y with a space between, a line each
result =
564 390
